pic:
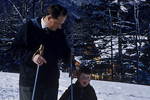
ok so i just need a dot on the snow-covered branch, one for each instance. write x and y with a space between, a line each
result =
17 11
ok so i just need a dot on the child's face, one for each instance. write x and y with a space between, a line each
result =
84 79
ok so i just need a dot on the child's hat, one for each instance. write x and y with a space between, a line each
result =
85 70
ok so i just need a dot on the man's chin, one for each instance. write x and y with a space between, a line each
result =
53 29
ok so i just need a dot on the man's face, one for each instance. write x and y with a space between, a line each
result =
54 24
84 79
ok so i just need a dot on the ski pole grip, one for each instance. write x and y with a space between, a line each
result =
41 49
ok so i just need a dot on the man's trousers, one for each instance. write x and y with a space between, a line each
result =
41 93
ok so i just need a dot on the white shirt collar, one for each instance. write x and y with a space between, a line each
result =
43 23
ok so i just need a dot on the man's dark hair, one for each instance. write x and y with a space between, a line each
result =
56 11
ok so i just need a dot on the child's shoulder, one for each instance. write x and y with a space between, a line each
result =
89 86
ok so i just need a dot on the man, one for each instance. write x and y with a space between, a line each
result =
46 31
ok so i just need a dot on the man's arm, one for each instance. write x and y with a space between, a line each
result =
19 49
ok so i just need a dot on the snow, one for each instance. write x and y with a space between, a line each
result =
98 2
9 89
86 2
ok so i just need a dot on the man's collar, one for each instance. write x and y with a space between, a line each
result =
43 23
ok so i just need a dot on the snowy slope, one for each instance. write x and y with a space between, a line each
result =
9 89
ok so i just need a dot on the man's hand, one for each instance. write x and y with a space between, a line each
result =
39 60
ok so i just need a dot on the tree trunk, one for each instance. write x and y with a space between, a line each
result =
41 10
34 4
24 10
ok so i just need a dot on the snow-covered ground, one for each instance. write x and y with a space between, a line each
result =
105 90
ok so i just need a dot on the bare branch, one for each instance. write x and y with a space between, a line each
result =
17 10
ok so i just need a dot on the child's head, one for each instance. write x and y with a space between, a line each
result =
84 76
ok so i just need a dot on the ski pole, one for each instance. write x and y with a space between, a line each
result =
71 83
37 71
40 50
71 77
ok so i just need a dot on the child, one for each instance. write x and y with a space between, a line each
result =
82 90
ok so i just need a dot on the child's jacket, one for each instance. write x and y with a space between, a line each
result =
79 93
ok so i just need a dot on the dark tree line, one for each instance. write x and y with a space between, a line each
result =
105 35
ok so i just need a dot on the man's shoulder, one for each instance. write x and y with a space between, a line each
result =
28 24
35 22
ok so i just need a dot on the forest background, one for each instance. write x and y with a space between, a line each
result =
110 36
